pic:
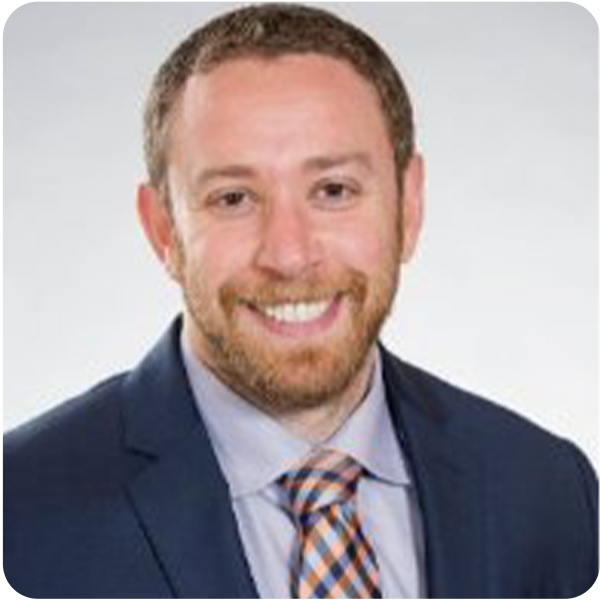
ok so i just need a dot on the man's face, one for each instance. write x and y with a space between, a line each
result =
285 234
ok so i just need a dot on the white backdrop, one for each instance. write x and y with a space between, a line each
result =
503 295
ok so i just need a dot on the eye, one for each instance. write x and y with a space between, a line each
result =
231 202
336 194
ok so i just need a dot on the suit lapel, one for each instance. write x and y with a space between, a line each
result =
184 507
448 479
181 498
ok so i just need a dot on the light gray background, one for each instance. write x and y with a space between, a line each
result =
503 295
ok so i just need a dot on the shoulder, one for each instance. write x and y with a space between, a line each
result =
534 492
64 443
497 436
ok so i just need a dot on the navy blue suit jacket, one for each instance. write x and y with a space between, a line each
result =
117 494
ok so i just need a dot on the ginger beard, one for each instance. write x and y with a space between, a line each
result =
288 375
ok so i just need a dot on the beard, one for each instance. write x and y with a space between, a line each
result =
286 376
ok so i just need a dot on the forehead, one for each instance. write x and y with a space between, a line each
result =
290 99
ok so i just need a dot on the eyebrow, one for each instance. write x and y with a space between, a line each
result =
323 163
316 163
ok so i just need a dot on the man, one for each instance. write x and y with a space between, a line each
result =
268 445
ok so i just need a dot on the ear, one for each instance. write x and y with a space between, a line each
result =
412 205
159 228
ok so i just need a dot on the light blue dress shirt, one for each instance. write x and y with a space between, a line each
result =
254 450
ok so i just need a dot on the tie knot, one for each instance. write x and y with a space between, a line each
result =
326 478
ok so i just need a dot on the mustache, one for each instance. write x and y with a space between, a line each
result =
309 289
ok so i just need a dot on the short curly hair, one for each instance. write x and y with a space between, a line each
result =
270 31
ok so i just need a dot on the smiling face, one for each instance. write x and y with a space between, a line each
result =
283 229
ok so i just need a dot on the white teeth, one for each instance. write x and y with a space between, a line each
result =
300 312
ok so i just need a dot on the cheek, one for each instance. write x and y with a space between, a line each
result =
214 258
368 244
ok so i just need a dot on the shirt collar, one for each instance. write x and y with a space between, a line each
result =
253 449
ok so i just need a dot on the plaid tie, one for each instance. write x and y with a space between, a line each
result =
334 558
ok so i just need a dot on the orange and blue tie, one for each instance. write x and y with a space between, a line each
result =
333 558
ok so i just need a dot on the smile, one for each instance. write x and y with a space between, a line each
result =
300 312
298 319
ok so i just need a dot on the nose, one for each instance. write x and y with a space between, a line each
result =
289 244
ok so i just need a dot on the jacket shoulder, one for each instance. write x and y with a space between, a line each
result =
69 438
535 491
466 413
508 444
